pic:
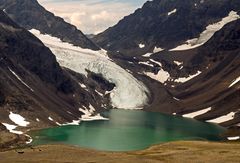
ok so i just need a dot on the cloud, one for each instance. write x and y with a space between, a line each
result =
91 16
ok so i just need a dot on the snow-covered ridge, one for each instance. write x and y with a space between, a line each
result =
207 33
129 93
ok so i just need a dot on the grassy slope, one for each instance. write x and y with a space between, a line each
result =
183 151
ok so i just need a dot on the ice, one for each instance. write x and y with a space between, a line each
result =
207 33
18 119
197 113
129 93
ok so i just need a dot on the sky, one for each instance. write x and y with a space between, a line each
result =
92 16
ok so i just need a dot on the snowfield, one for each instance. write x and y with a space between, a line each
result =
208 33
129 93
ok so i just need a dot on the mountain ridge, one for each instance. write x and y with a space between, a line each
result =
31 15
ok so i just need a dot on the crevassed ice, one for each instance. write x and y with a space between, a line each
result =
129 93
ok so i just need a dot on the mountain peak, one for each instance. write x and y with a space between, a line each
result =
31 15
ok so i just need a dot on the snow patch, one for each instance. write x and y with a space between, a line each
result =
99 93
156 50
20 79
141 46
82 85
147 55
30 139
162 76
158 63
89 115
146 63
18 119
176 99
11 128
234 138
172 12
74 122
129 93
234 82
207 33
185 79
224 118
197 113
50 118
178 63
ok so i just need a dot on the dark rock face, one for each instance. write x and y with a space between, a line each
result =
33 84
30 14
153 25
2 128
39 60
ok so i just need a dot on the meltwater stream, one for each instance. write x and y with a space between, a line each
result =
128 130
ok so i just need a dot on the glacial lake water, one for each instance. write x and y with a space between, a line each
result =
128 130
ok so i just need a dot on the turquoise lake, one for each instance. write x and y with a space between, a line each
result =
128 130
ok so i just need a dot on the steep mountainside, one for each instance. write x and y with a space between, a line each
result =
30 14
164 24
202 81
186 52
34 90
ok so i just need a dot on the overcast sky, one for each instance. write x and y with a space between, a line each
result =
92 16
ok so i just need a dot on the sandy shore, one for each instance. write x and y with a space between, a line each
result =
182 151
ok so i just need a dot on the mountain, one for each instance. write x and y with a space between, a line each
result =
187 54
164 24
35 92
31 15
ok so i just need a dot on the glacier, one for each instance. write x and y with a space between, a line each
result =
129 93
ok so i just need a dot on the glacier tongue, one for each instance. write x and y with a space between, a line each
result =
129 93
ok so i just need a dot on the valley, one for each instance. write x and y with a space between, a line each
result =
161 83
